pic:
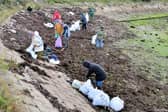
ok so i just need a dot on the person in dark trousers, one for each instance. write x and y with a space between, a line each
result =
84 22
66 34
97 70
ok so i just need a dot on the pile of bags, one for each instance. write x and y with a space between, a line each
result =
98 97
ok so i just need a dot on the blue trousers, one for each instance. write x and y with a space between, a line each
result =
99 84
99 43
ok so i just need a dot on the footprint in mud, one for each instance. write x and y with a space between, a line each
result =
143 40
132 26
156 34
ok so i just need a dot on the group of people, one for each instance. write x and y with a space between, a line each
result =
62 35
62 31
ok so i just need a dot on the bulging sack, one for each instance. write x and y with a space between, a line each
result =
87 17
101 99
75 26
76 84
94 39
86 87
93 93
117 104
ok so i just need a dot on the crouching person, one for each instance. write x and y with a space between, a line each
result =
99 72
100 38
36 45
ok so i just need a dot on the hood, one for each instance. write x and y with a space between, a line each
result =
86 64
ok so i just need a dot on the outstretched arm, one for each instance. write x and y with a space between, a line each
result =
89 73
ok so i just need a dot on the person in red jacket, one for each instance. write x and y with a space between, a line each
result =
56 16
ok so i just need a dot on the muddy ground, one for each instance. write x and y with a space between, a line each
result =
124 78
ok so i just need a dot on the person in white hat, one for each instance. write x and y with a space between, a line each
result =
36 45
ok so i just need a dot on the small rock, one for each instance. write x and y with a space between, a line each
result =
12 39
12 30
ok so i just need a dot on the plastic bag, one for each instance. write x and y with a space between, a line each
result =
76 84
48 25
87 17
58 42
101 99
53 61
75 26
117 104
86 87
94 39
93 93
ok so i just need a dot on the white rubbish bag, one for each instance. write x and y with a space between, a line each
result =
53 61
86 87
117 104
75 26
87 17
48 25
76 84
31 52
71 13
93 93
101 99
94 39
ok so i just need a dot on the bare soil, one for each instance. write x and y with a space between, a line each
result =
124 78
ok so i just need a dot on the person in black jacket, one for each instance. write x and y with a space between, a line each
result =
98 70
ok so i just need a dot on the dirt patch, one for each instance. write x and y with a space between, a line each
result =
125 80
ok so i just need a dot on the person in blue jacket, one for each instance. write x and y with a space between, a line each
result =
84 22
99 72
66 34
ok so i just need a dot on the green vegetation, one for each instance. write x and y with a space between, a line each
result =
149 49
100 1
9 7
152 33
7 102
3 65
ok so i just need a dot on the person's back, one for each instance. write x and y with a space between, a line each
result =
95 68
59 28
99 71
100 34
83 19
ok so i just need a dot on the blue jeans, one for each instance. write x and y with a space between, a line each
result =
99 43
99 84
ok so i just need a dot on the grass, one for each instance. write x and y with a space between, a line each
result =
98 1
6 12
152 33
149 49
7 102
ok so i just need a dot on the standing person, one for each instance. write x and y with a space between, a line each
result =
97 70
84 22
91 12
100 38
66 35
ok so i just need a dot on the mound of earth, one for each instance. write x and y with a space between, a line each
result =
124 79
